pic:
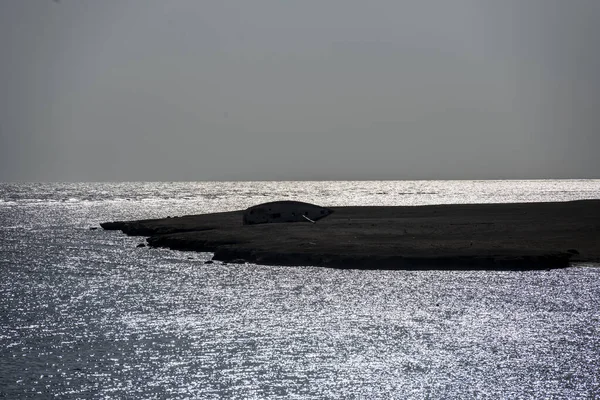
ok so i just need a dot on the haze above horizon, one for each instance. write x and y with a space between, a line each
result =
148 90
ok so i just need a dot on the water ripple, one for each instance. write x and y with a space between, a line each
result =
87 314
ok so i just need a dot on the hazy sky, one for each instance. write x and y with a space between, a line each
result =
351 89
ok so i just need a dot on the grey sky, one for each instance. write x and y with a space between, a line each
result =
348 89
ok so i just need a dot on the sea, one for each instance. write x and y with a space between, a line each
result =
84 313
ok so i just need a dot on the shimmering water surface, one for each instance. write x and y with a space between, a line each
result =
86 314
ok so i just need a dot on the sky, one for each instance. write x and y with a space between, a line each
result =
187 90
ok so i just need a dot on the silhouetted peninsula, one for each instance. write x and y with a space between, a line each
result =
468 236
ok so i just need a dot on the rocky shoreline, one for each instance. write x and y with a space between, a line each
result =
466 236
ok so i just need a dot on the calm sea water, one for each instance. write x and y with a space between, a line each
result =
86 314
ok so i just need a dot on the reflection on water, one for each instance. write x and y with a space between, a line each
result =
86 314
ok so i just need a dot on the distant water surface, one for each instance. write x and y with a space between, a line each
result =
86 314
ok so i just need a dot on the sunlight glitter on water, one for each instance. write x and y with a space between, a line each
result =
87 314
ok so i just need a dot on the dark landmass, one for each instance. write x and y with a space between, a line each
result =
470 236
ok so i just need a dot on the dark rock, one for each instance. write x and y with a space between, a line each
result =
141 245
284 211
509 236
209 262
93 228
